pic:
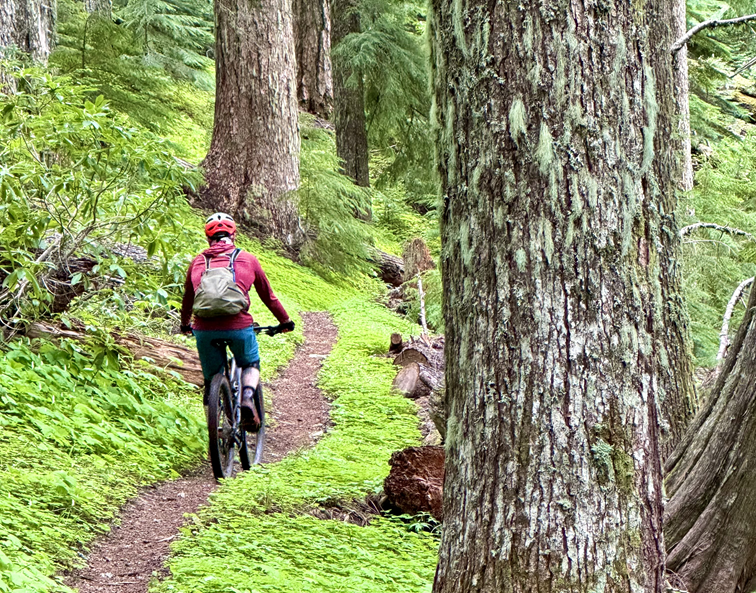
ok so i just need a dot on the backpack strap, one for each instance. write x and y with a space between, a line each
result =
232 260
207 262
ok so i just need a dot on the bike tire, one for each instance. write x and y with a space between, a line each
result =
220 436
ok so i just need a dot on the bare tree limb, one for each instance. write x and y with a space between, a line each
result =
717 227
724 338
677 45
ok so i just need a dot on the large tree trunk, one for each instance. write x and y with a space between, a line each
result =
254 154
348 98
312 35
565 330
710 522
28 25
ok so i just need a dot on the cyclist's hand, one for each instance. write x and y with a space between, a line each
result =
186 330
286 326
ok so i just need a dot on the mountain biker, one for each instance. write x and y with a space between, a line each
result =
236 329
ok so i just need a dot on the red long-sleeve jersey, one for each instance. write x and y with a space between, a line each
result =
249 273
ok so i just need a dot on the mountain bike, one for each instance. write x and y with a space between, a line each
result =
226 436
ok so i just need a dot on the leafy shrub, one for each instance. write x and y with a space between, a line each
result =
74 177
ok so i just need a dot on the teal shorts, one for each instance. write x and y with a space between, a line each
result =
212 349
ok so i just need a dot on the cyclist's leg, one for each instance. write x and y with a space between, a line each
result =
212 357
244 346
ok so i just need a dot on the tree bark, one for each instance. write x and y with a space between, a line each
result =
102 8
28 25
563 309
710 520
682 93
348 98
312 35
254 154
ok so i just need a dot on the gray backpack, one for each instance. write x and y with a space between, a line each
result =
218 294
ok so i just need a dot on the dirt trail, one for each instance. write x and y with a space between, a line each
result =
125 560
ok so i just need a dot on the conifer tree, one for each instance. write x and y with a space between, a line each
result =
312 35
348 97
254 154
565 327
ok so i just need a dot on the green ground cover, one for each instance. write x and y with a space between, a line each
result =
78 436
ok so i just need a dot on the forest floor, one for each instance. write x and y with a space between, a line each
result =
125 560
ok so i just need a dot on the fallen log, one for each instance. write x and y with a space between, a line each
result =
391 267
408 382
410 355
161 353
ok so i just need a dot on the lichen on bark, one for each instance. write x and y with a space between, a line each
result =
565 328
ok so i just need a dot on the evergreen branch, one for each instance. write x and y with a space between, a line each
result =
677 45
710 225
724 340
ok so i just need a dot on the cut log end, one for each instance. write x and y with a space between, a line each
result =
410 355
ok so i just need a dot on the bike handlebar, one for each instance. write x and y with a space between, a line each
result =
271 330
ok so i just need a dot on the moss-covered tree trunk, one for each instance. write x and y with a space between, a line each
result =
28 25
254 154
312 35
348 98
710 519
566 338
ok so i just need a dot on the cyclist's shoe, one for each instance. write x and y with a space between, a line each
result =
250 419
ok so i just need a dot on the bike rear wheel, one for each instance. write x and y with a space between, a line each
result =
220 427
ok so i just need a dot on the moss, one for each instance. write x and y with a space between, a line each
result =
459 26
601 456
544 152
624 471
517 121
652 110
521 259
560 77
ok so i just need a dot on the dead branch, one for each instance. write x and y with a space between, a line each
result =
677 45
686 230
724 338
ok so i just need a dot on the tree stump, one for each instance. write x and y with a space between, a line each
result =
417 259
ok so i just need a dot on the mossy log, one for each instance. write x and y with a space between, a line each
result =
161 353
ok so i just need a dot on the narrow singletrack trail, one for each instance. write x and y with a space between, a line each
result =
125 560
